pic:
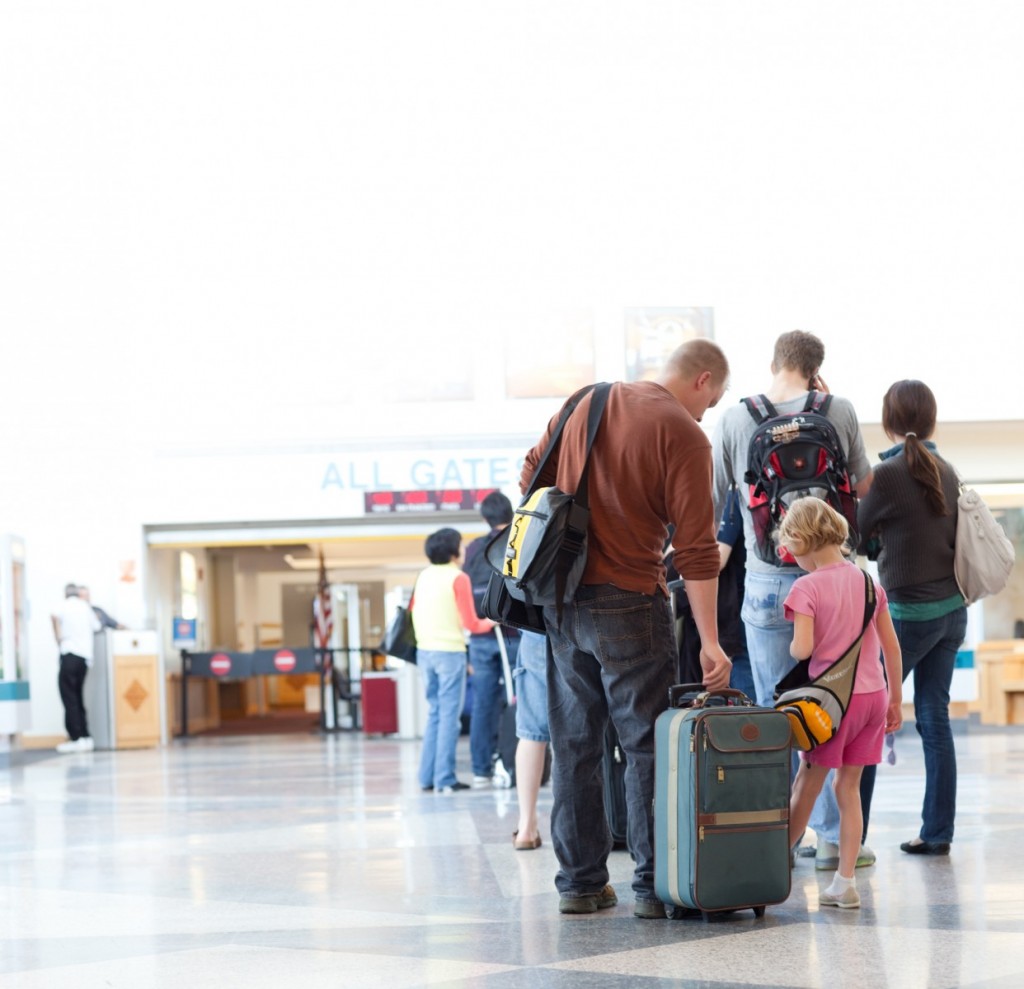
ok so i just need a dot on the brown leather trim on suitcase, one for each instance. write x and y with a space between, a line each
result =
728 818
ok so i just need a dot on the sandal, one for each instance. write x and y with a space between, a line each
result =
526 844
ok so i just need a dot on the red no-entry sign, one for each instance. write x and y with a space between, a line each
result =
284 660
220 665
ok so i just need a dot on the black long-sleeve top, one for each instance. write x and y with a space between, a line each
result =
915 560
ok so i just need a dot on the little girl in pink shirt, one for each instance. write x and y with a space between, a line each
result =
827 610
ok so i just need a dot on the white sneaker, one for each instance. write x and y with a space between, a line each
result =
83 744
865 858
86 744
826 857
66 747
479 782
848 899
502 779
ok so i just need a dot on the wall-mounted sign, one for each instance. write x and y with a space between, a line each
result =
424 502
184 636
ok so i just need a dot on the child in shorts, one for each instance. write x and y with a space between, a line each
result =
826 607
531 680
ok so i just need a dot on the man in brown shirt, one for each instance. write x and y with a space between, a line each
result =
614 649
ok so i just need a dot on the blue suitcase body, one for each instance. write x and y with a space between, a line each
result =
721 802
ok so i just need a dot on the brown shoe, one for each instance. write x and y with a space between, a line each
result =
649 910
526 845
588 903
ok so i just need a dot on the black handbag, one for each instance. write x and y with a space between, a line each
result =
539 558
400 639
500 606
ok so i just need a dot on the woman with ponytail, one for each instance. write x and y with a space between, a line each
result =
907 522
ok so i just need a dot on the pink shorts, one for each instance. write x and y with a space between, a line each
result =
860 737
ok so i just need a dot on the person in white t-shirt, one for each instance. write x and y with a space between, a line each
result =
106 620
74 625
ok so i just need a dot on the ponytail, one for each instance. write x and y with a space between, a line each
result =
924 468
909 410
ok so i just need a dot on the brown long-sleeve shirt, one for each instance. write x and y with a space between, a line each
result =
650 466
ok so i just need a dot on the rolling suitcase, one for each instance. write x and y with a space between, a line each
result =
613 767
508 741
721 802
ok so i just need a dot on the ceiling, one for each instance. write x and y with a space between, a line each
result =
356 551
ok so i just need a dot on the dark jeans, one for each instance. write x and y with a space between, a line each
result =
70 681
614 655
929 653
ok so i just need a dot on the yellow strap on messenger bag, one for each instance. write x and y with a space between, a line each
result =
536 509
816 708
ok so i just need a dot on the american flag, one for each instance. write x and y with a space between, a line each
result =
323 619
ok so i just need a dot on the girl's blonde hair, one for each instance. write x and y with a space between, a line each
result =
810 524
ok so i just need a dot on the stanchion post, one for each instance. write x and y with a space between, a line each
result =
322 665
334 692
186 662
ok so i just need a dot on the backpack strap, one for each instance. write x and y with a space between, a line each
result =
594 415
818 401
759 408
853 652
556 435
572 543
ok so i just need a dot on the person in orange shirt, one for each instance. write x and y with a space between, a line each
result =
613 651
442 612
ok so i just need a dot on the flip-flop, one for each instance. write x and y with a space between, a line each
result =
525 845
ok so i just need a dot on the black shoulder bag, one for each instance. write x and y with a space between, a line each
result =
539 558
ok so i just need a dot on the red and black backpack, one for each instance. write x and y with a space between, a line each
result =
792 456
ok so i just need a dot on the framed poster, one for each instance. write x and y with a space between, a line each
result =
652 333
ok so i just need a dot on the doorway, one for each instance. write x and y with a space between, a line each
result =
255 586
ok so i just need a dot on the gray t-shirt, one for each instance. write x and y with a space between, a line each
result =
731 444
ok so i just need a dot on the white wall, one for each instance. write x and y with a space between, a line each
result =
228 226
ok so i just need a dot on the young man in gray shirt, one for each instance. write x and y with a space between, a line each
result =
795 365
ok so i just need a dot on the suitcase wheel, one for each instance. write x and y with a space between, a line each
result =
713 916
676 912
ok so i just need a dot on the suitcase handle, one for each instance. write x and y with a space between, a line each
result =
696 695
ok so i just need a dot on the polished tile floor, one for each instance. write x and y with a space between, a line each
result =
315 861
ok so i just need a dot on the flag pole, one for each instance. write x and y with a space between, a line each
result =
323 628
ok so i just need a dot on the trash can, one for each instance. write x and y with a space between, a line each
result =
380 703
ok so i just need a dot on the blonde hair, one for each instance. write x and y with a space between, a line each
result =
810 524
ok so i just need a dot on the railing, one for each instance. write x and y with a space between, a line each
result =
335 684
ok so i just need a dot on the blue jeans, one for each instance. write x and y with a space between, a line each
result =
444 679
929 652
488 698
741 677
531 680
768 639
614 655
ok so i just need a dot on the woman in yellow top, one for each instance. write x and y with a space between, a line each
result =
442 612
